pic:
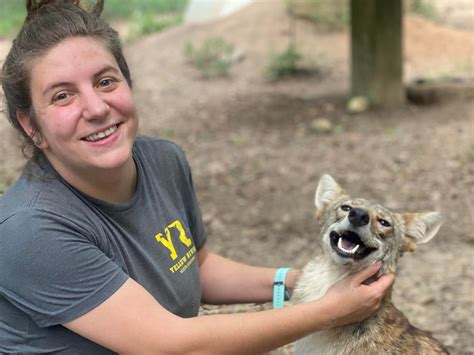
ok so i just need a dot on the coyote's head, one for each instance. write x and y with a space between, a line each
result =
356 232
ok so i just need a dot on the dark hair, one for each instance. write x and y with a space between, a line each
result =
48 23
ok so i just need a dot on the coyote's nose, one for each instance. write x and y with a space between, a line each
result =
358 217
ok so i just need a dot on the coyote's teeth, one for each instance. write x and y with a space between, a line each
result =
349 251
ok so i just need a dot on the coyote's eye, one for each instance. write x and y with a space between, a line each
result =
383 222
346 208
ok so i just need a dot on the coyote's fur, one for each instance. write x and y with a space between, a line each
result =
355 233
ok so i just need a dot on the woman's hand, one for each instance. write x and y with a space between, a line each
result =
352 301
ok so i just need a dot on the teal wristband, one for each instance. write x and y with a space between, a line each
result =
280 293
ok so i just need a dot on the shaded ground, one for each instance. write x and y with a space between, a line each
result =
256 161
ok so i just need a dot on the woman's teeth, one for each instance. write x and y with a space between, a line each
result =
101 135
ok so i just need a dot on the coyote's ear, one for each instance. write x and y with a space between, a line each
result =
420 228
328 190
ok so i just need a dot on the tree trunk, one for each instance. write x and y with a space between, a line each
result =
376 41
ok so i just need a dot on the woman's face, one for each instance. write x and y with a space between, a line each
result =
84 107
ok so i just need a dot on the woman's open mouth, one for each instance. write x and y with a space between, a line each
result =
101 135
348 244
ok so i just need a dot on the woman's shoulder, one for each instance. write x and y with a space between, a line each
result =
156 143
23 227
26 220
35 195
159 150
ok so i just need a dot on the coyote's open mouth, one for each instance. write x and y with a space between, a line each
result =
348 244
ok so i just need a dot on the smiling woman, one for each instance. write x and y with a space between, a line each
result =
86 114
103 229
34 40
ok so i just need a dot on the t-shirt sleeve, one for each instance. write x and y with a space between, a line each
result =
51 270
198 228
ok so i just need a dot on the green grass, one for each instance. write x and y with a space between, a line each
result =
146 15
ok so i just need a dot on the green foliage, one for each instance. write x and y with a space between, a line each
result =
214 58
283 64
126 9
331 15
147 15
12 15
145 23
424 8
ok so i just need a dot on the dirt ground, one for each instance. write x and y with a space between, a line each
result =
256 160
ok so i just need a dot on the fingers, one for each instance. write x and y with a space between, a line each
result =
366 273
384 282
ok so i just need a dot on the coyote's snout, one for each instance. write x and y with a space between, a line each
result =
355 233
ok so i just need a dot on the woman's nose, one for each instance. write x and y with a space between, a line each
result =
94 106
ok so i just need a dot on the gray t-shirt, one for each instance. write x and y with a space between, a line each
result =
63 253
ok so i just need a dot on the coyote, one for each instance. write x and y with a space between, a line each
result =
355 233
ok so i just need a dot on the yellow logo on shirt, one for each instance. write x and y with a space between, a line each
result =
183 263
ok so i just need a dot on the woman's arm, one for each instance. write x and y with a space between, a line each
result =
131 321
225 281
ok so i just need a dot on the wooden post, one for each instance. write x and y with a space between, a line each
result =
376 44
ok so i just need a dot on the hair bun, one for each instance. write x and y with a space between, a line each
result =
34 6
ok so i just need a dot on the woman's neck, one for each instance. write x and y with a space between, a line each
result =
113 185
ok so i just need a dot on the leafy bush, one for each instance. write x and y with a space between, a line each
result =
424 8
13 12
331 15
214 58
125 8
145 23
283 64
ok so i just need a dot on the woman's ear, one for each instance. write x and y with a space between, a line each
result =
25 122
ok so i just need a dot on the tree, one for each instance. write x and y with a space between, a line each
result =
376 58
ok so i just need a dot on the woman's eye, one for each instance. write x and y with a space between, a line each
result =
105 82
60 97
384 223
346 208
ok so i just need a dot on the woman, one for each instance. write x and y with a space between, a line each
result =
102 243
